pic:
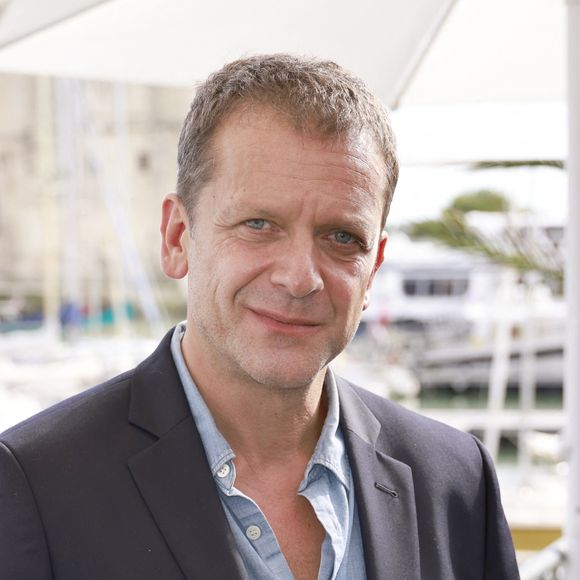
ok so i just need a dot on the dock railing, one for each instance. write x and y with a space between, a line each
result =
549 564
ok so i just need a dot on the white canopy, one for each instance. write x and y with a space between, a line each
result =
495 51
474 51
413 53
175 42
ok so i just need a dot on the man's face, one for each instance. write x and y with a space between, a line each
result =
284 245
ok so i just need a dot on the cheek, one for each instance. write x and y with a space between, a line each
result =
353 276
347 291
234 271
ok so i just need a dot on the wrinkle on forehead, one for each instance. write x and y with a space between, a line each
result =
358 149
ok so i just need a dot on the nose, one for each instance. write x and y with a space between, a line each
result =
297 269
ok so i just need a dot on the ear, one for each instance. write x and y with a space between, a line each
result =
174 237
378 261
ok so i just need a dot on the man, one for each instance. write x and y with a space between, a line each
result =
233 451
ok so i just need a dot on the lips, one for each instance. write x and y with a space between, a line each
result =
285 320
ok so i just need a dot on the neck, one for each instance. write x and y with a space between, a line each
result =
264 424
271 427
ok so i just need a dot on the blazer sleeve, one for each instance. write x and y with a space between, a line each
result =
23 548
500 560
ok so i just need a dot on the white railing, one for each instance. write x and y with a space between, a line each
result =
549 564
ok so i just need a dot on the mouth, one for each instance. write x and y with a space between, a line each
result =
281 322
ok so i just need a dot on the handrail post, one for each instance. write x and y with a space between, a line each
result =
572 275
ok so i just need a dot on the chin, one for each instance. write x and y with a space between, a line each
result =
283 376
280 380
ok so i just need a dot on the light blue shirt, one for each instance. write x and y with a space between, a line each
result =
327 485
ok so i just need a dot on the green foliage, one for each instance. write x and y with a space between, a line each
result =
434 229
514 248
555 163
484 200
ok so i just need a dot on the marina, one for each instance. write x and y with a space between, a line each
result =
36 372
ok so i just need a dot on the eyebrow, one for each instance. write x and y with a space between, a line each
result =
235 209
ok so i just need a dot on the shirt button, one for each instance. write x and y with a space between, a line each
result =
224 470
253 532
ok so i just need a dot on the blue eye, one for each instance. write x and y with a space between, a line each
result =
256 224
343 238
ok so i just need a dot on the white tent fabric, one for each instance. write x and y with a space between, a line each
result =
25 17
471 132
491 87
413 53
495 51
175 42
478 50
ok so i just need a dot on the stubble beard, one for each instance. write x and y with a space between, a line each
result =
271 366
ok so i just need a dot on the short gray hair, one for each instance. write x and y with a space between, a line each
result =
315 95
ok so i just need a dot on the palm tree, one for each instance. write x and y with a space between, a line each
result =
523 248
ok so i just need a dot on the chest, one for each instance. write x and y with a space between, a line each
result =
297 529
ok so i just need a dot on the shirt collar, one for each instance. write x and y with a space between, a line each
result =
217 449
330 451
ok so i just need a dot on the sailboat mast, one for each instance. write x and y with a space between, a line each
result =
572 351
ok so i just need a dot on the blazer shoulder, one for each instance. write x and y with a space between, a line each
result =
99 419
415 439
387 411
88 409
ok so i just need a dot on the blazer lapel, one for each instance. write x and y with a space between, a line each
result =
384 492
173 476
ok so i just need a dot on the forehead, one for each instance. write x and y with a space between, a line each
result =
259 144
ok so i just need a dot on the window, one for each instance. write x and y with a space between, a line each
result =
435 286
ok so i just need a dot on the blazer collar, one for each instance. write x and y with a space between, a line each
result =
158 402
176 484
384 493
173 476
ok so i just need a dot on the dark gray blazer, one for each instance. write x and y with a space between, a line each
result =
113 484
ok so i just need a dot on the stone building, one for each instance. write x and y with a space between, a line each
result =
83 169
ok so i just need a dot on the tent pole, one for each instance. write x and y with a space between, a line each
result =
572 274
